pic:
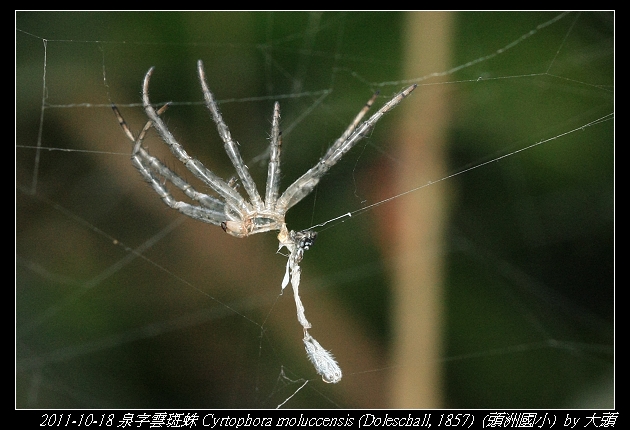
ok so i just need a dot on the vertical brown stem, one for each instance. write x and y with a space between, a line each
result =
416 380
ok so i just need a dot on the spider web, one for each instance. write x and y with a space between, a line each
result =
122 302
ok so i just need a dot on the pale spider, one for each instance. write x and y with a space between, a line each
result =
230 210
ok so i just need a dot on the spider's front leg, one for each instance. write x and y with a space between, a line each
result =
303 186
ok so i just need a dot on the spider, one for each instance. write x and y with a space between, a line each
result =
236 215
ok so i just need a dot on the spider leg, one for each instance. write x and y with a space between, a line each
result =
352 126
275 146
307 182
229 144
215 215
212 210
232 198
138 142
273 173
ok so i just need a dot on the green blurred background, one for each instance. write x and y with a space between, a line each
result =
192 318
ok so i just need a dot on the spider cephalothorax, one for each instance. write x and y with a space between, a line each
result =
238 216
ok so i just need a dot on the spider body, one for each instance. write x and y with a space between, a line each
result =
236 215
